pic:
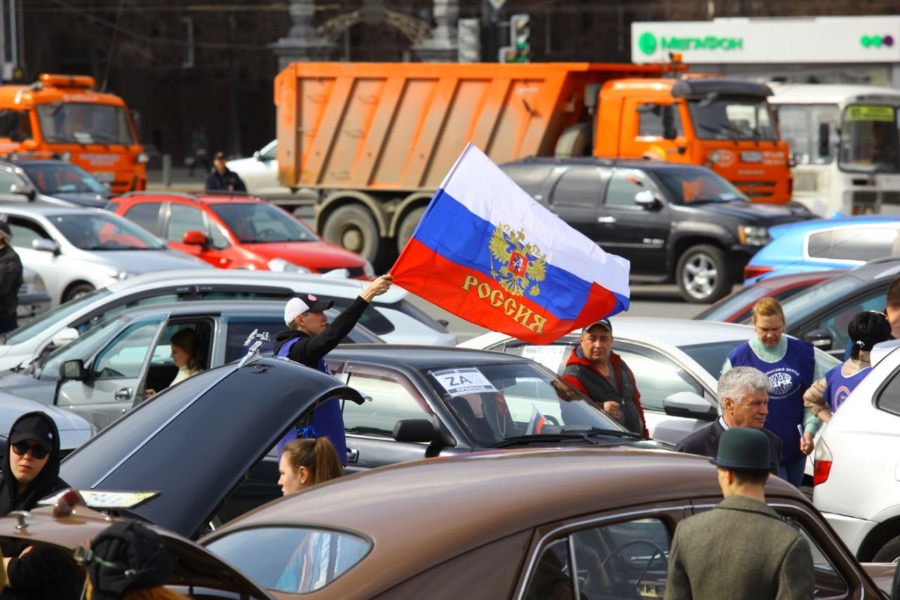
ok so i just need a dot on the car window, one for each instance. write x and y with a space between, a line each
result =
295 560
711 356
651 120
624 185
393 397
183 219
25 231
373 320
125 355
146 214
888 398
257 222
618 560
829 582
578 187
837 320
239 328
269 152
9 179
657 376
854 243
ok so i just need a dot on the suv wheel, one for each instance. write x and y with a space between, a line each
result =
889 552
702 274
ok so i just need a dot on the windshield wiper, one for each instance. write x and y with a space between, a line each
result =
588 436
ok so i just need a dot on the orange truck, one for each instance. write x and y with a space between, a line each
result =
63 116
374 140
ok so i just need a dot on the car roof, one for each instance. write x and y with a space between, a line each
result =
51 210
323 285
879 268
206 306
820 93
199 198
659 330
463 502
802 227
649 165
428 357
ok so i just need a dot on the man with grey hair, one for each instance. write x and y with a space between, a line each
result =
10 280
743 395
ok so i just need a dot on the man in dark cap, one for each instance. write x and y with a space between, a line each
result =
221 178
604 377
311 337
10 280
741 549
30 473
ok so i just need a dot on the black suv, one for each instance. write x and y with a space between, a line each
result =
674 222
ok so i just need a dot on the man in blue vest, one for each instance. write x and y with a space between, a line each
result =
311 337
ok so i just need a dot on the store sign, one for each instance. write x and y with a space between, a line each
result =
778 40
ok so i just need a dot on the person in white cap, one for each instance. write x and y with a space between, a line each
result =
311 337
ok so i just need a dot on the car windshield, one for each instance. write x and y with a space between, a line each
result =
870 139
738 301
726 117
104 231
84 124
711 356
800 306
260 223
686 185
291 559
52 318
63 178
497 403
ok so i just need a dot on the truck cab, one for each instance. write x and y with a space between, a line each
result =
723 124
63 116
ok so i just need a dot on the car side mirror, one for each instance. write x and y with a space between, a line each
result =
645 199
259 156
45 245
689 405
195 238
23 189
414 431
73 369
64 336
820 338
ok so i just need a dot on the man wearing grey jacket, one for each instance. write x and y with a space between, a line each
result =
741 549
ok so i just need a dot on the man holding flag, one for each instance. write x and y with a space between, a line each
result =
487 252
604 377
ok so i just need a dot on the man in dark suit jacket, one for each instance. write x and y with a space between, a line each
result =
742 549
743 394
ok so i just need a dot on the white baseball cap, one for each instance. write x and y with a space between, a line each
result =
304 303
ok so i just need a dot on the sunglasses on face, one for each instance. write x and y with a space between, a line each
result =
21 448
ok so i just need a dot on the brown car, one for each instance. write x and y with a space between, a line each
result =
592 523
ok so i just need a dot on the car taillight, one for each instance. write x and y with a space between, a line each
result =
822 463
755 271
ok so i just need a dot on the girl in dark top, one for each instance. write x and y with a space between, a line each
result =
30 473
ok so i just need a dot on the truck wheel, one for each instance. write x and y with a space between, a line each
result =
889 552
354 228
408 226
702 274
77 291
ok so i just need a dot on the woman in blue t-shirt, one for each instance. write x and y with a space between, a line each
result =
828 393
790 365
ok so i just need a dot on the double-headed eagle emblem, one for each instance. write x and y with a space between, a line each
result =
515 264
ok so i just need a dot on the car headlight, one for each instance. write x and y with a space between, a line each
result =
753 235
142 158
279 264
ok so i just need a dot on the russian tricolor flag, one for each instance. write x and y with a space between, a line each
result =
488 252
536 423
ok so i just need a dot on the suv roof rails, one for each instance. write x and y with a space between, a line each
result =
139 193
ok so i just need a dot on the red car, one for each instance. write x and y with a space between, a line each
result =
736 307
236 231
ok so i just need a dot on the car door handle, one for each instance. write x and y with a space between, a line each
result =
123 393
606 219
352 456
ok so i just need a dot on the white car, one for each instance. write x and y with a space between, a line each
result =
676 365
73 429
857 462
76 250
33 296
260 174
391 316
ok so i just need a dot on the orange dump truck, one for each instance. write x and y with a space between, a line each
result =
63 116
376 139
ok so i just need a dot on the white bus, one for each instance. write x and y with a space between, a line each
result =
845 143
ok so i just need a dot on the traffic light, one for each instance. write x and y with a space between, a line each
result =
520 36
468 42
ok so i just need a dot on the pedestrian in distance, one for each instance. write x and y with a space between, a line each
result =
741 549
310 338
307 462
31 473
743 396
826 394
603 376
892 307
791 367
10 280
200 150
223 179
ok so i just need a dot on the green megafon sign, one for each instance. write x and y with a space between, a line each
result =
649 43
